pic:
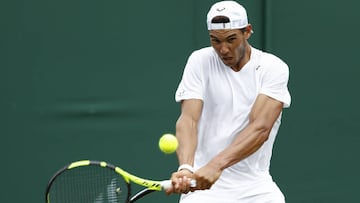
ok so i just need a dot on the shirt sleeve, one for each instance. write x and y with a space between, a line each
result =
275 80
191 84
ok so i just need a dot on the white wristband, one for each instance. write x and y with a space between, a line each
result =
187 167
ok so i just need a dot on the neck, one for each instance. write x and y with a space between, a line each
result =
243 60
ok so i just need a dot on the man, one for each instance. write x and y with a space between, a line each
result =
231 97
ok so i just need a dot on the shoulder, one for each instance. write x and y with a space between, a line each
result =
270 62
204 51
203 54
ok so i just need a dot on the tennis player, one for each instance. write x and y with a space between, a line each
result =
232 96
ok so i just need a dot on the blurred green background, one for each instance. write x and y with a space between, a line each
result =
96 80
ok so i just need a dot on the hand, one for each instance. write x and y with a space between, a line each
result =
206 176
181 182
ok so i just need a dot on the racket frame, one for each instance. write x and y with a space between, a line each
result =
150 185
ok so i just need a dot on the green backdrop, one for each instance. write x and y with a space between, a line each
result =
96 80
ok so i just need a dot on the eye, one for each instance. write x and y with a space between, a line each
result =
231 39
214 40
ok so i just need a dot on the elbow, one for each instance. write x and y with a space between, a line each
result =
264 135
262 130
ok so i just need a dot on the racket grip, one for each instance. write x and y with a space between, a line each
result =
166 184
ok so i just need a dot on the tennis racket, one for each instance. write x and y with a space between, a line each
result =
89 181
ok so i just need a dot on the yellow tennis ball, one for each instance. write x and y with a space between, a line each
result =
168 143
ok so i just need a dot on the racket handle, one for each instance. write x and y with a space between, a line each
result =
166 184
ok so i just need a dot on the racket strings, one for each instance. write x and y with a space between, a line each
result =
90 184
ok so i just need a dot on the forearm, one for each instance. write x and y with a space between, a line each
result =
246 143
261 120
186 133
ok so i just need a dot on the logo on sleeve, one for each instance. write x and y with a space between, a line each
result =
181 93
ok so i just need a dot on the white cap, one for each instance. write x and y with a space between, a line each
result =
231 9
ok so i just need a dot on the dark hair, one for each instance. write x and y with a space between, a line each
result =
220 19
224 19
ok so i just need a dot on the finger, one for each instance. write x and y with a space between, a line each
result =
179 185
187 184
169 191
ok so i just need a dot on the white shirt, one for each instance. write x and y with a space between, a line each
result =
228 97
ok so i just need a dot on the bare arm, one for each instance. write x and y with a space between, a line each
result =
186 130
262 117
186 133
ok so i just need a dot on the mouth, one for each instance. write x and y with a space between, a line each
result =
227 59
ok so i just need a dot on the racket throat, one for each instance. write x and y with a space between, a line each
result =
140 194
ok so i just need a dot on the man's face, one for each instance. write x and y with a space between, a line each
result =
230 45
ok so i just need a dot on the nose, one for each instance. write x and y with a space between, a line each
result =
224 49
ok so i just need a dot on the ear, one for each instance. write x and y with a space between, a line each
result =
248 31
